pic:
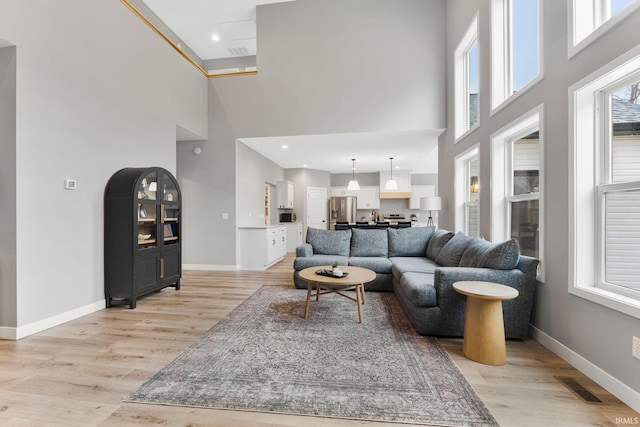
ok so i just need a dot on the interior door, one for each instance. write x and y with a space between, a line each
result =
317 207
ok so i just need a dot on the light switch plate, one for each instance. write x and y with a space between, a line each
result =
70 184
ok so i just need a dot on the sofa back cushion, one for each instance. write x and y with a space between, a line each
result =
436 242
499 256
409 241
452 252
329 242
367 242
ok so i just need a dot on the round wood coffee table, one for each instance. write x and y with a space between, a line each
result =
484 339
356 278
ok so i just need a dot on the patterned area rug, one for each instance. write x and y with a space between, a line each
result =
264 356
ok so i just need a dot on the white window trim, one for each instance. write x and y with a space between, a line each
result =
501 179
460 185
461 82
586 22
501 74
584 137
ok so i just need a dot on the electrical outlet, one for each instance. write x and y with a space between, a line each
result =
635 347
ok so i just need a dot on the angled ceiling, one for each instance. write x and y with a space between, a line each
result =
195 21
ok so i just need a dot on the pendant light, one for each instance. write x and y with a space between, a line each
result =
353 184
391 185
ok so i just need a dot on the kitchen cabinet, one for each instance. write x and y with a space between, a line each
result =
142 234
419 191
286 192
294 236
368 197
261 247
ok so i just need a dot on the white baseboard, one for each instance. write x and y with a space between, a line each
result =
614 386
209 267
50 322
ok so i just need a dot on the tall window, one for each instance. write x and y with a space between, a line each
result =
604 213
517 185
515 40
467 191
592 18
466 66
619 189
472 189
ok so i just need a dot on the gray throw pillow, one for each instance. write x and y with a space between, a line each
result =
436 242
452 252
329 242
367 242
409 241
502 256
499 256
474 254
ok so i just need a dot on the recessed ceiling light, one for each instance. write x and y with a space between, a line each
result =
305 166
285 146
215 37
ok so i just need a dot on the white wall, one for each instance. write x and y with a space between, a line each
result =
594 338
96 91
355 78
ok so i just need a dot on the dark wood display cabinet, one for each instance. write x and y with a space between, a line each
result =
142 229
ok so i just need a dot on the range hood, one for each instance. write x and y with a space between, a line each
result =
403 178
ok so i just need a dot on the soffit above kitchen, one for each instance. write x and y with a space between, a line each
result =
414 150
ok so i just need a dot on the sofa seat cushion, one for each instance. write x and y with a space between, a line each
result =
402 265
329 242
377 264
365 242
301 263
410 241
418 288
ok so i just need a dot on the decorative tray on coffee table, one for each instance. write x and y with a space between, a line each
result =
329 273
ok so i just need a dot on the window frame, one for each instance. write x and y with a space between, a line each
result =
502 93
502 196
461 190
462 107
586 173
590 20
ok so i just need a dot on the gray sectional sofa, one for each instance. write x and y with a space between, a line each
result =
420 265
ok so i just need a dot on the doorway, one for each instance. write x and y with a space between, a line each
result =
317 207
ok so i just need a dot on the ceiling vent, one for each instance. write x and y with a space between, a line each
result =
239 51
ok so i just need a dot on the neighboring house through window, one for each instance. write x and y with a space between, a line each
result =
605 206
517 185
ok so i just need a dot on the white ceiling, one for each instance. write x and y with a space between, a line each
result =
416 151
194 21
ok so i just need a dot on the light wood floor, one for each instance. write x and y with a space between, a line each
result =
76 374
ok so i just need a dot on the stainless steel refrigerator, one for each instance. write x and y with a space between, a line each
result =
342 209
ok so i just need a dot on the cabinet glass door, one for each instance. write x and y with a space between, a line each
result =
170 211
147 222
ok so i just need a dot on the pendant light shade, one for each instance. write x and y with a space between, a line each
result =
353 184
391 185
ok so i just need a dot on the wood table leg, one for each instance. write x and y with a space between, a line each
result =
306 307
364 301
484 339
359 301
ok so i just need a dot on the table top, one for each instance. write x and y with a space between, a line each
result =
485 290
356 276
